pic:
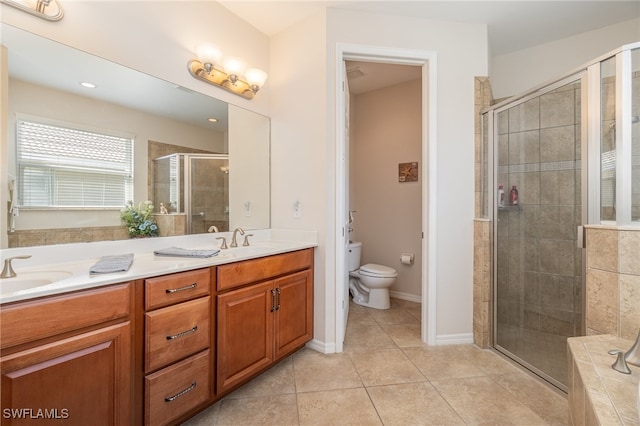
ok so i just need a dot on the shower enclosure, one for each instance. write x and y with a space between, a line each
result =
196 185
564 154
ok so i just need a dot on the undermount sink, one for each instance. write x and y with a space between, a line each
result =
27 280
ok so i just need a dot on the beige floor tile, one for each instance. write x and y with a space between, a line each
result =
385 367
206 418
393 317
416 312
268 410
490 362
406 335
367 339
500 412
471 391
360 318
383 352
545 402
318 372
341 407
412 404
278 380
443 364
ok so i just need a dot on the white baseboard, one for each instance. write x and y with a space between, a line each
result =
454 339
405 296
322 347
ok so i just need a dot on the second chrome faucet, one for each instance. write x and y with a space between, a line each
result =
234 241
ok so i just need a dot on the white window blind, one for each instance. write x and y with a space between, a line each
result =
64 167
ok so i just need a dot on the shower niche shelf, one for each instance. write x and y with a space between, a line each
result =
510 208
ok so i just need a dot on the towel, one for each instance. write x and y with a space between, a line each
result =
180 252
114 263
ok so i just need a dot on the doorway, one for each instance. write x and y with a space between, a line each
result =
427 173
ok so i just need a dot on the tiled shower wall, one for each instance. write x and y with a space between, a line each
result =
482 227
613 281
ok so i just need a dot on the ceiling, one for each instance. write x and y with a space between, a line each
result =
511 25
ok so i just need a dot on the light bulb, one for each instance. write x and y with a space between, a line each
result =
256 78
208 54
233 67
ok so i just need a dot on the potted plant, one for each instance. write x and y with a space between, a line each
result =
138 220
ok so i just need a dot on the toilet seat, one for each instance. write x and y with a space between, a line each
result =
373 270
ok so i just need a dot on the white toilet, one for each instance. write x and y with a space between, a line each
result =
369 284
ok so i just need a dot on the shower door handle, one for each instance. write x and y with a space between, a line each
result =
580 237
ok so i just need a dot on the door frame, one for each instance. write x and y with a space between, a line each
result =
428 61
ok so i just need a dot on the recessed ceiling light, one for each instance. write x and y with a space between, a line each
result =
213 120
87 84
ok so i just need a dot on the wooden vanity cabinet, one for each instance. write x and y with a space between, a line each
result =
67 358
178 355
265 312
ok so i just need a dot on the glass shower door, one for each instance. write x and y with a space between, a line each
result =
538 269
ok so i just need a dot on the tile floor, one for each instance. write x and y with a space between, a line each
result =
387 376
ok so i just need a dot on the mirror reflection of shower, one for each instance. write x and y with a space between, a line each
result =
195 186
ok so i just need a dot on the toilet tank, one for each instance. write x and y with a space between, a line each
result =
355 250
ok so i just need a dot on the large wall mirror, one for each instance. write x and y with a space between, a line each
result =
44 84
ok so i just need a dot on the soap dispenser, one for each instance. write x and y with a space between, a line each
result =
513 196
501 195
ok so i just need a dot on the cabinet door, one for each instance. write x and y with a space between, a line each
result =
245 333
80 380
294 313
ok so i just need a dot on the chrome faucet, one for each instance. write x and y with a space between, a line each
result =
7 271
213 228
234 241
223 245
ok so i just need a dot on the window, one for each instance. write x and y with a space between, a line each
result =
62 167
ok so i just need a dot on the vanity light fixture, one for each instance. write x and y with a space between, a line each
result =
228 74
45 9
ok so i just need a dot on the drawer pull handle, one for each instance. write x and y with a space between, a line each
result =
278 299
184 333
273 300
182 392
175 290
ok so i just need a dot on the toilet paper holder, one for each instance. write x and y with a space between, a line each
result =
406 258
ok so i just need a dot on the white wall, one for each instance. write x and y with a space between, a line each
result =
516 72
158 38
303 137
461 54
299 161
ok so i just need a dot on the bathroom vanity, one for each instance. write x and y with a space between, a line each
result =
155 349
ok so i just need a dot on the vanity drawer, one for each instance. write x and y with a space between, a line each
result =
250 271
174 288
173 391
22 322
175 332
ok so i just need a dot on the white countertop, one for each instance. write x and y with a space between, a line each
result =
75 260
